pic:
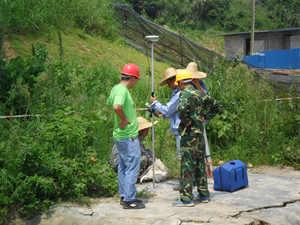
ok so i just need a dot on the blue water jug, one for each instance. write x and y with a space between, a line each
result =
230 176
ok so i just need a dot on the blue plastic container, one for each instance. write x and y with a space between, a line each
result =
231 176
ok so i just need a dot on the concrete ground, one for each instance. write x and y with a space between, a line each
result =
273 197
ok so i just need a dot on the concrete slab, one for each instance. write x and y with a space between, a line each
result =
273 197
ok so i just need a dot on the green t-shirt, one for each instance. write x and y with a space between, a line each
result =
120 95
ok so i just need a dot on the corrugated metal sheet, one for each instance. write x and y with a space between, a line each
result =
284 30
275 59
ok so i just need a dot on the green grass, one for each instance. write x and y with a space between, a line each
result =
90 50
86 49
210 38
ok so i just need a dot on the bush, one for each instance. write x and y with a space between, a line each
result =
34 194
62 154
6 189
17 79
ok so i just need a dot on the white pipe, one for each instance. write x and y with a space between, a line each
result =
152 118
152 38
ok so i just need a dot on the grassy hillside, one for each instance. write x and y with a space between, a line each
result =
209 38
86 49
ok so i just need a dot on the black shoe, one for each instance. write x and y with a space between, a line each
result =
176 187
202 199
122 202
135 204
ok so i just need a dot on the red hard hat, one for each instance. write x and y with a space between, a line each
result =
131 70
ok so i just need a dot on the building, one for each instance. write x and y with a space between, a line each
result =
237 45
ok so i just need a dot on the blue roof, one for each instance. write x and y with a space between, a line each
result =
292 29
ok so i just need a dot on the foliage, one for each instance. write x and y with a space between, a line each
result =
253 127
17 79
283 13
62 154
222 14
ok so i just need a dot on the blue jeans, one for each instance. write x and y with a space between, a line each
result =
129 165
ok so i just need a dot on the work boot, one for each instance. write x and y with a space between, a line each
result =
180 203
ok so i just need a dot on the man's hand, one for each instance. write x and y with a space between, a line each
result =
152 99
123 123
119 111
209 168
157 114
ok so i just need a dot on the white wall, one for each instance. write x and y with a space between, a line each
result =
259 46
234 47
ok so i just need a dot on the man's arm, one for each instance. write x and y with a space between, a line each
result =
119 111
168 109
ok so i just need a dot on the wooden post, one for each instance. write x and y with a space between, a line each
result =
60 45
253 28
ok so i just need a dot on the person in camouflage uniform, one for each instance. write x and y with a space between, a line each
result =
194 107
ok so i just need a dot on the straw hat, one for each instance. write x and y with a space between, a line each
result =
169 73
193 68
144 124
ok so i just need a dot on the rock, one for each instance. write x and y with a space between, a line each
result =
161 172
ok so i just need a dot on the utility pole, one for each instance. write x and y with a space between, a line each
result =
253 28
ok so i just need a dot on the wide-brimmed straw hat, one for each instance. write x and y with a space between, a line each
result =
193 68
144 123
169 73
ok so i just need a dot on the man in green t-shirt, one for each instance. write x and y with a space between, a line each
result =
125 135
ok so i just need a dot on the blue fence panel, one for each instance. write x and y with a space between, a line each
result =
275 59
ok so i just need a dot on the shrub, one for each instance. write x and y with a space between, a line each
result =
17 79
6 189
63 153
34 194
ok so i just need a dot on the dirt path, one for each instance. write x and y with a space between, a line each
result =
273 197
8 51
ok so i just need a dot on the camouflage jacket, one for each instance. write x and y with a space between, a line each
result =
194 107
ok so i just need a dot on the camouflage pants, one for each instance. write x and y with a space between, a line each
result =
192 168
